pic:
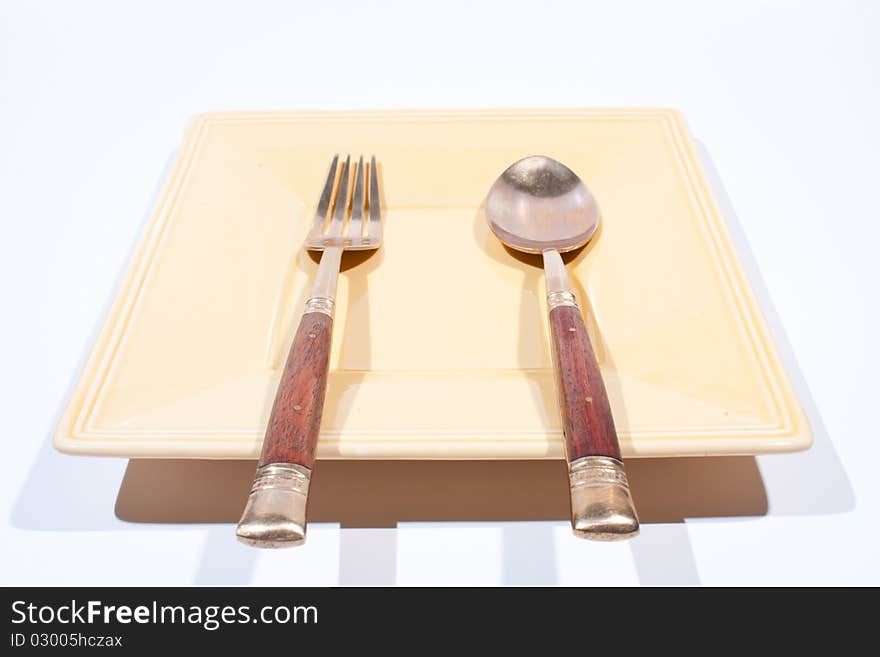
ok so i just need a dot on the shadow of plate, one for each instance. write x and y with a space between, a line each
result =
369 498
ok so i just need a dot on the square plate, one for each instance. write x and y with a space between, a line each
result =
441 344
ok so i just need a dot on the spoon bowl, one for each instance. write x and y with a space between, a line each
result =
539 204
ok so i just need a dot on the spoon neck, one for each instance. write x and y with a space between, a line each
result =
554 271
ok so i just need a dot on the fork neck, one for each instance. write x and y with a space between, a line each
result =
322 296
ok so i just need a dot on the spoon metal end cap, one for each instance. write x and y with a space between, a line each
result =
602 508
275 514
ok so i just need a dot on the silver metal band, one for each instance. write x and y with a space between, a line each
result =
597 471
558 298
320 305
283 476
601 503
275 514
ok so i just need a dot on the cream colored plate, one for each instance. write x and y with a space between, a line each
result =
440 348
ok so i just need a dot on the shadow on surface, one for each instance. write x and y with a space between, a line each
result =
224 560
381 494
69 493
369 499
812 482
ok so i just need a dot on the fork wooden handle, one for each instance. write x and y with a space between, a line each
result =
275 515
292 432
602 507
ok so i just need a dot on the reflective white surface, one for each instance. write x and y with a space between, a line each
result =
96 98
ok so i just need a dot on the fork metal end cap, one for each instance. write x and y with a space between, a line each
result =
275 514
602 508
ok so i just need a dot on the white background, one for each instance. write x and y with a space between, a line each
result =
783 97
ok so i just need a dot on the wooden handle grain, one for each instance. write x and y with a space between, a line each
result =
292 432
583 402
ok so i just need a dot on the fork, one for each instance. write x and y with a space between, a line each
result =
275 514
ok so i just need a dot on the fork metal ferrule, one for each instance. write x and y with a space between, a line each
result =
320 305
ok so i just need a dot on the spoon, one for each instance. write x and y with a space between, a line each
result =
539 205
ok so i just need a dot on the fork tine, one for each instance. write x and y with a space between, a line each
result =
341 204
356 226
324 201
374 230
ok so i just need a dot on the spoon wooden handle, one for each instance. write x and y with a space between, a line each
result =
601 504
